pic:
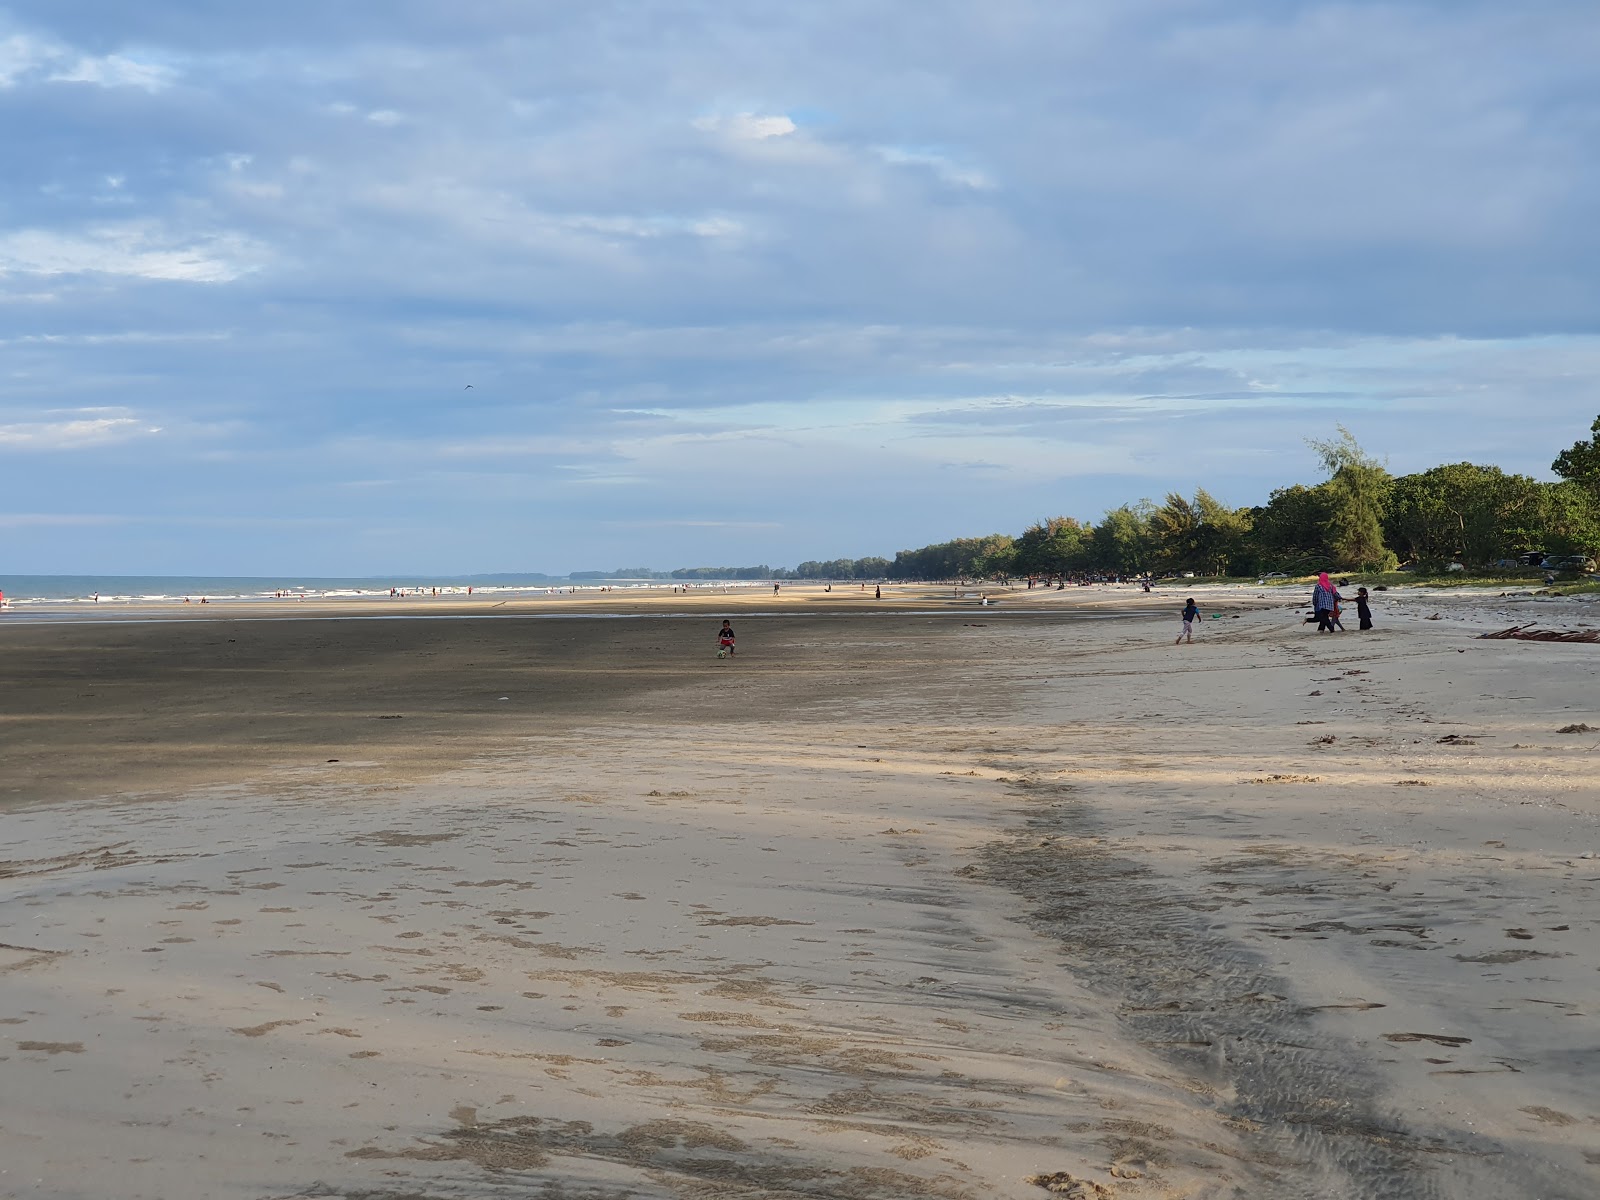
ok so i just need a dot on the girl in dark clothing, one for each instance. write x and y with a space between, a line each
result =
1363 609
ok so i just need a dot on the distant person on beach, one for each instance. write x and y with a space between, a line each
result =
877 592
774 589
1363 608
725 639
1324 598
1191 613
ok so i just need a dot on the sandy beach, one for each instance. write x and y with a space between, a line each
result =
912 898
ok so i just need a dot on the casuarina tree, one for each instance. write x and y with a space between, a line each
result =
1357 491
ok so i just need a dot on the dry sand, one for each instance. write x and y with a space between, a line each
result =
898 903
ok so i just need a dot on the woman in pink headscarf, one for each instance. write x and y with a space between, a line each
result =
1324 600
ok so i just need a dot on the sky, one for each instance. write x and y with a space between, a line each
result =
511 285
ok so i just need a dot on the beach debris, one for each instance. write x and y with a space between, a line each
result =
1527 633
1580 727
1326 739
1073 1188
1316 693
1435 617
1438 1039
1455 739
1286 779
1412 783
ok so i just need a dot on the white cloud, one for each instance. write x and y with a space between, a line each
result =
138 249
117 70
945 168
20 56
748 127
26 59
385 116
82 433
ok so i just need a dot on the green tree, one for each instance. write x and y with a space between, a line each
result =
1202 535
963 558
1224 545
1050 547
1174 534
1122 541
1289 532
1580 463
1358 487
992 557
1475 513
1570 519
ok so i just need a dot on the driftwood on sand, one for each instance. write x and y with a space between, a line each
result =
1527 633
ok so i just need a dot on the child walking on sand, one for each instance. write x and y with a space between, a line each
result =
725 640
1363 608
1191 613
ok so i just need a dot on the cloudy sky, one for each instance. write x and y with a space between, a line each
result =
736 282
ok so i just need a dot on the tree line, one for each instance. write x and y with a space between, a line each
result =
1359 518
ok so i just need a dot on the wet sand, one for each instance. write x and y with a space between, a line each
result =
892 905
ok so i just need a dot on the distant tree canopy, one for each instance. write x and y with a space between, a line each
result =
1359 518
761 572
965 558
844 568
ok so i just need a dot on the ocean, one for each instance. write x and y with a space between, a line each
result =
21 589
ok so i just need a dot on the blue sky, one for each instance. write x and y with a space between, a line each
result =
740 282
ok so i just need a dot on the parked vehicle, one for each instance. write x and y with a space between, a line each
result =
1577 563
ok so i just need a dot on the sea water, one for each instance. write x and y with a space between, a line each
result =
70 589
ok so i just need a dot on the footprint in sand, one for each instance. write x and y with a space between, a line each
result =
1550 1116
52 1048
255 1031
